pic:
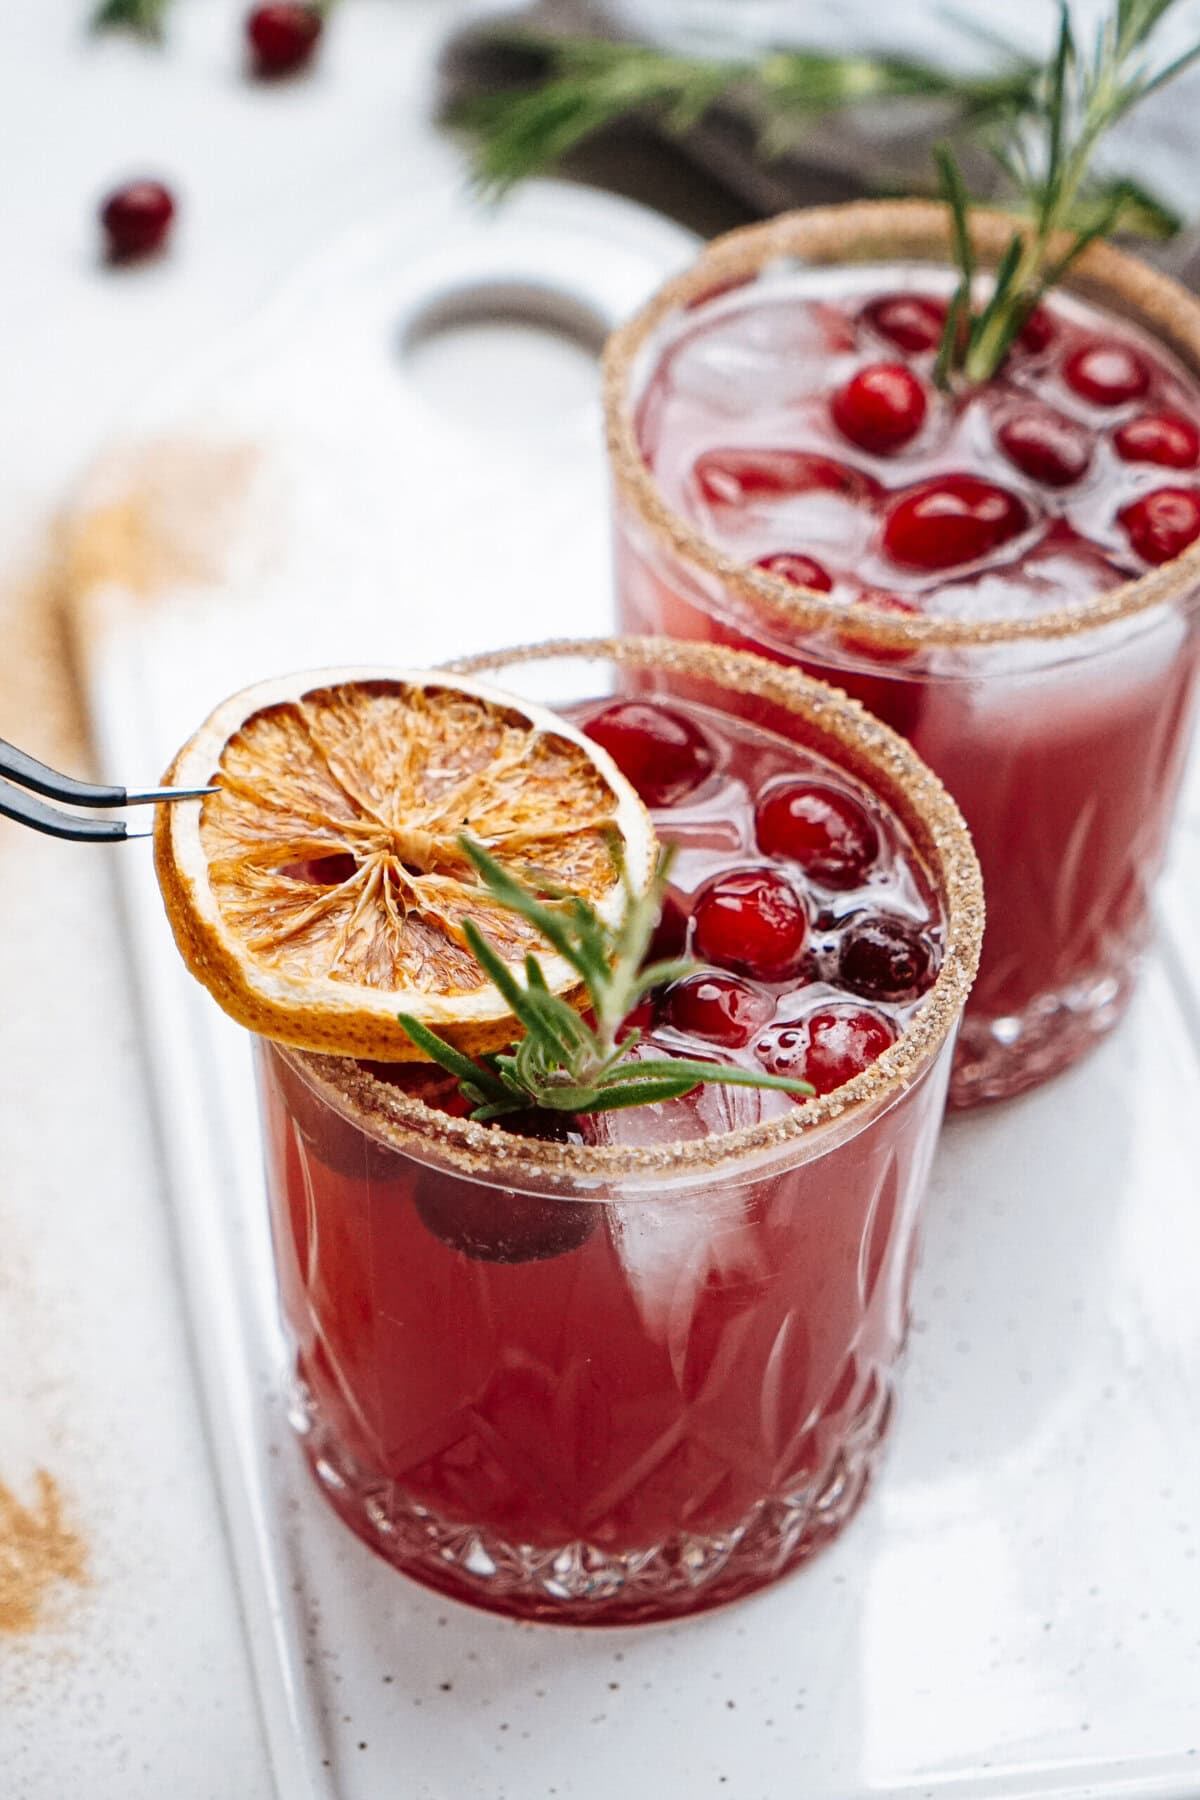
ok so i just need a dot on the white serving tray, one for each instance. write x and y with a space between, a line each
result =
1016 1611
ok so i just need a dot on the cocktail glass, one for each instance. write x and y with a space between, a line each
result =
630 1373
1061 733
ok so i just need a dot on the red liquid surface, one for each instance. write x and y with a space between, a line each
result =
1049 485
638 1402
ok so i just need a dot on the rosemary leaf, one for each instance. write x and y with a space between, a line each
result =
562 1063
145 17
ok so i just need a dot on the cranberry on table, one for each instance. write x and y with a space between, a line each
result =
829 1048
1161 525
952 519
754 922
1046 446
880 409
826 832
720 1008
883 957
282 37
738 477
662 753
1167 438
913 322
1106 373
800 570
136 219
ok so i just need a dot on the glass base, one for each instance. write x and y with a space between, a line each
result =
996 1059
581 1583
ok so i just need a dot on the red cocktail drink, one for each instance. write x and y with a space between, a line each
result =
630 1365
1007 575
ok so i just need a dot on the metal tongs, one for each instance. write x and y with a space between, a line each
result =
21 771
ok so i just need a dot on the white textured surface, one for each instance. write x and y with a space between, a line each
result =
1015 1613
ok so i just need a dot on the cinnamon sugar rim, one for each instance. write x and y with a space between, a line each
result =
868 231
853 738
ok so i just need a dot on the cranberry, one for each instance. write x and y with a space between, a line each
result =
282 36
842 1042
913 322
1166 438
821 828
670 934
829 1048
886 958
952 519
136 219
1046 446
717 1007
800 570
735 477
754 921
500 1225
663 754
1107 373
861 644
880 409
1038 332
1161 525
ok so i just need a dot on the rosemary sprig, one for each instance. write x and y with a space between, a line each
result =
1046 154
562 1063
585 84
145 17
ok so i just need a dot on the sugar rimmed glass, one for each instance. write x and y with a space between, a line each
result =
687 1398
1062 735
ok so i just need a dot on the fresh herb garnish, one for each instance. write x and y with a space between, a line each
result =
1046 153
584 84
145 17
563 1063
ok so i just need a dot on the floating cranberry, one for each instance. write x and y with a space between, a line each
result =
500 1225
952 519
1107 373
1161 525
1046 446
1166 438
752 921
886 958
824 830
842 1042
913 322
829 1048
1038 332
862 644
670 934
136 219
737 477
880 409
800 570
662 753
720 1008
283 36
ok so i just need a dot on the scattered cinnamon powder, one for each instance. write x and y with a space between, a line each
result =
160 515
38 1550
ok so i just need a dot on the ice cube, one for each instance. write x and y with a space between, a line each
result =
673 1247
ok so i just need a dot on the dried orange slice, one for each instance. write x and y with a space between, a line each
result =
323 888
